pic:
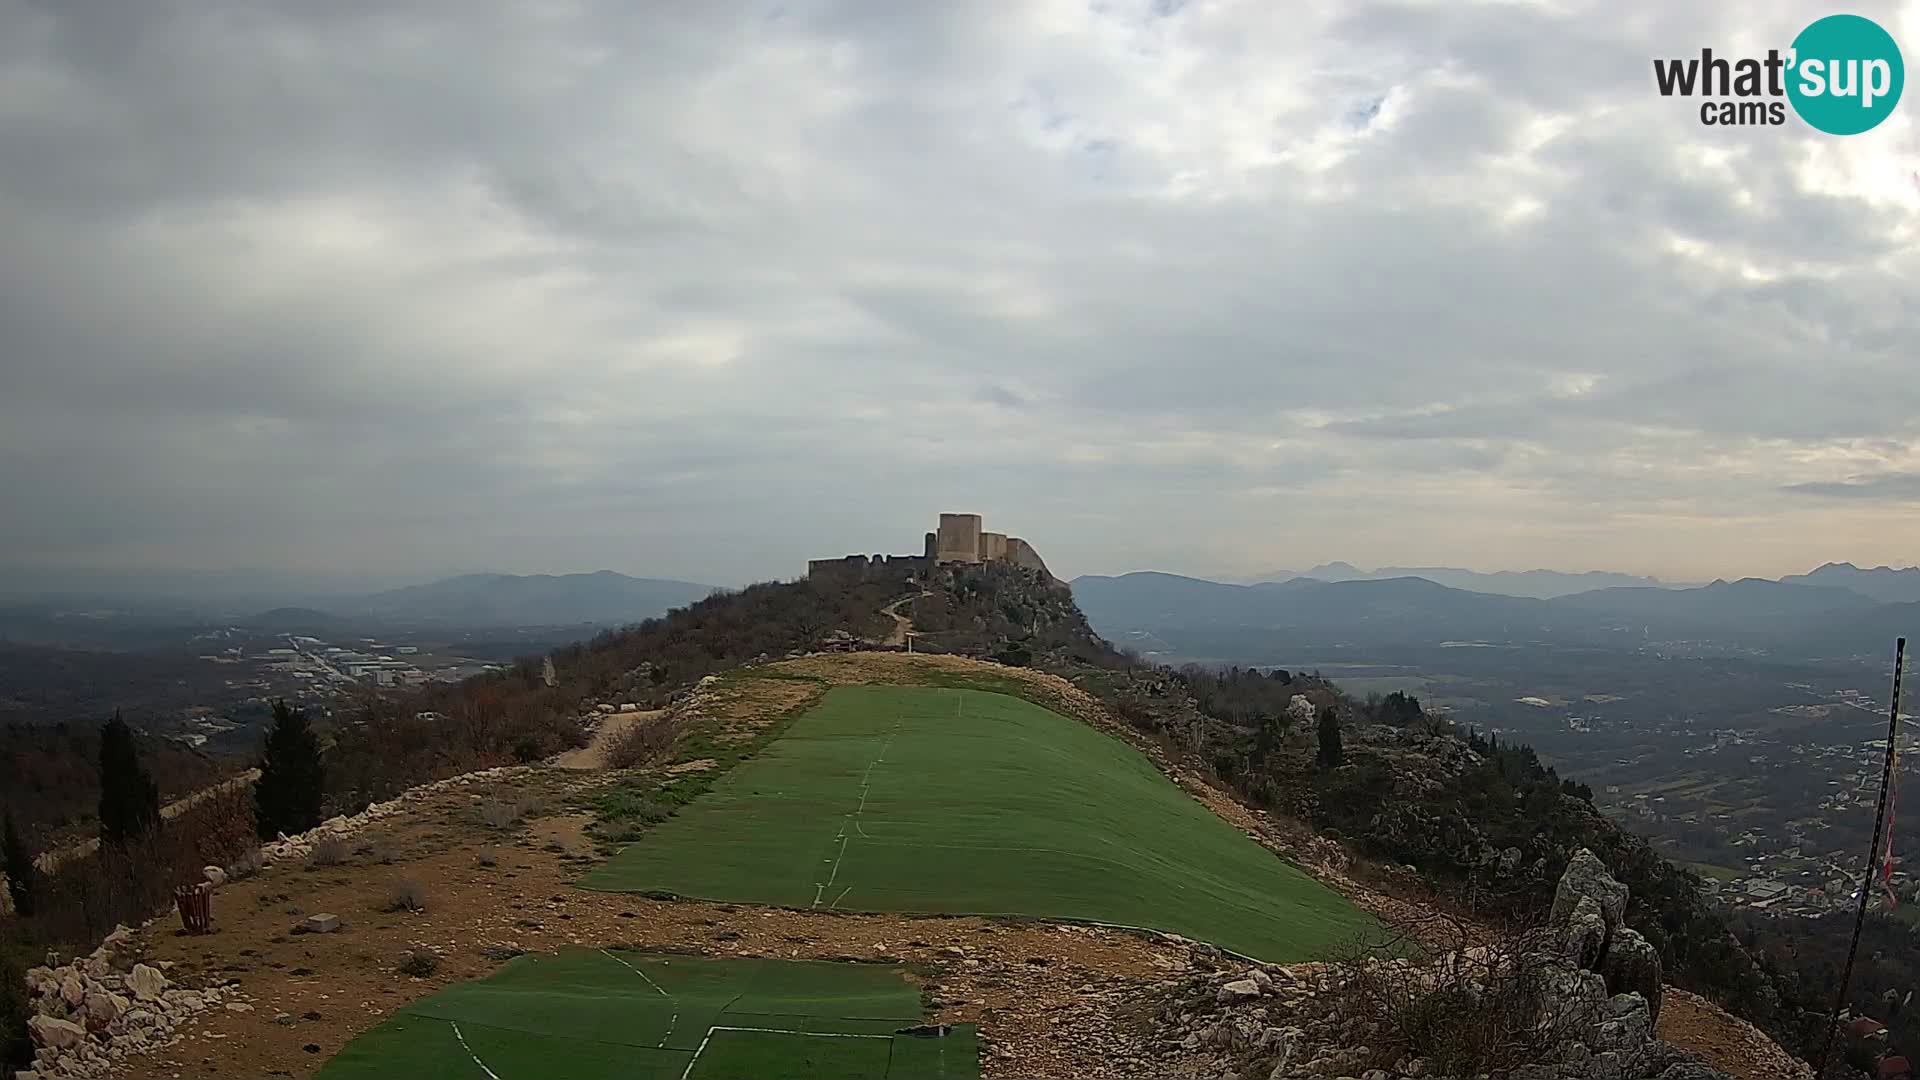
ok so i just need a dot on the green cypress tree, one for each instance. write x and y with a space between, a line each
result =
19 867
1331 752
292 781
129 799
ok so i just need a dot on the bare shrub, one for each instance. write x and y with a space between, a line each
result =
501 813
1476 1010
420 963
247 864
406 894
82 899
328 851
643 743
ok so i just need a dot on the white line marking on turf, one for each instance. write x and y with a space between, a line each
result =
672 1022
476 1057
837 899
866 780
808 1034
688 1071
636 971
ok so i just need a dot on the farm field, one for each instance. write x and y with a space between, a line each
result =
619 1015
917 799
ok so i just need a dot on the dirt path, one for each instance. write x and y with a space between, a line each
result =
612 726
1724 1041
902 626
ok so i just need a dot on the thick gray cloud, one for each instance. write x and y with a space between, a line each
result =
388 290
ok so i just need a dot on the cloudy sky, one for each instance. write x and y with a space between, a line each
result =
383 291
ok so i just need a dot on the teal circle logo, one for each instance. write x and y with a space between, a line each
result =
1846 74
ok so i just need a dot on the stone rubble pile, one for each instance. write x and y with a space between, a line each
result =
1596 996
299 847
89 1015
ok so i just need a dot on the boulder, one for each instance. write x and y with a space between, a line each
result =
323 923
1627 1028
1632 966
146 982
1573 997
1583 936
55 1034
104 1008
1238 990
1587 876
73 991
215 876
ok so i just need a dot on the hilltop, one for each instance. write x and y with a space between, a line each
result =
1415 824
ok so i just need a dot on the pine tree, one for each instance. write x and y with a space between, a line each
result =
129 799
18 862
1331 752
287 797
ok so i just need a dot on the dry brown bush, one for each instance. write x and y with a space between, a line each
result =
406 894
245 865
1472 1011
328 851
501 813
644 743
420 963
82 899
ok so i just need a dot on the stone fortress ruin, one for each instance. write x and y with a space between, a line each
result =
959 539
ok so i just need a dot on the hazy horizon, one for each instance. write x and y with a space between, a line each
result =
384 294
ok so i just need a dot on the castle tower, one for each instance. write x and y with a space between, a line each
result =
958 539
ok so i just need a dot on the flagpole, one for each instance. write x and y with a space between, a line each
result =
1873 853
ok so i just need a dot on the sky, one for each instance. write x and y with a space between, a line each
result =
377 292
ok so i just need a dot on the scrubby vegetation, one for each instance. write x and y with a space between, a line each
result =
643 743
328 851
420 963
50 776
406 894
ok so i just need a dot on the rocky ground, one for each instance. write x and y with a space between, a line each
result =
470 872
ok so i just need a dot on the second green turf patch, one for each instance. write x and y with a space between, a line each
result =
960 801
617 1015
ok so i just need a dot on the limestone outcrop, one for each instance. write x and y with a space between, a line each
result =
1584 994
90 1014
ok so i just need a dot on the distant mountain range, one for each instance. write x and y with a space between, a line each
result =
1539 584
1882 583
1190 613
473 600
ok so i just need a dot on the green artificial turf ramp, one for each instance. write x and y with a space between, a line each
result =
591 1014
919 799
